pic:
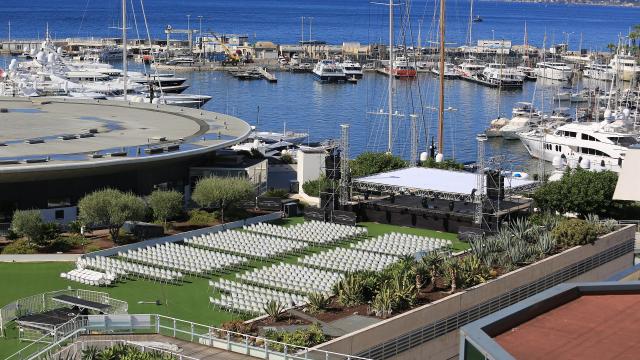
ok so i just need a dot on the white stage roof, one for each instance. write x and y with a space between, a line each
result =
627 187
436 180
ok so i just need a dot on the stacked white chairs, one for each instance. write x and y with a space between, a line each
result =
186 259
402 244
349 260
257 246
294 278
235 296
89 277
124 268
316 232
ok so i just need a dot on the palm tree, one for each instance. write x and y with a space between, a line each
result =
452 267
612 47
433 264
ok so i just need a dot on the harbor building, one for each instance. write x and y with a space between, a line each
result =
55 151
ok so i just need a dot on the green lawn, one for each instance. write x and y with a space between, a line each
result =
189 301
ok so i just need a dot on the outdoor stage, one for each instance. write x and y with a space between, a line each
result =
440 199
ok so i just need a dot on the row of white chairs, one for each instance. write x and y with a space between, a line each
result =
295 278
125 268
402 244
317 232
248 244
248 298
349 260
89 277
184 258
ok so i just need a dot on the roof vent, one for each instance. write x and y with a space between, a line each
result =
4 110
34 141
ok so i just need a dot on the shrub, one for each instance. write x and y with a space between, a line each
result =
382 304
317 302
574 232
200 218
21 246
286 158
308 337
92 248
447 164
369 163
239 326
315 187
12 235
222 192
111 208
28 223
165 205
74 227
580 191
279 193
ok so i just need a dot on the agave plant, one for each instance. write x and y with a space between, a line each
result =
382 304
90 353
433 262
404 292
520 229
472 271
317 302
546 243
350 291
274 310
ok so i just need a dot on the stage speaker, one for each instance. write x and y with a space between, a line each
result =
494 185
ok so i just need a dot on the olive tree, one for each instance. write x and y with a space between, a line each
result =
28 223
222 192
165 204
111 208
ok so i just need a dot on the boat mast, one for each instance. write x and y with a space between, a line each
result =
470 23
441 73
124 49
526 44
391 80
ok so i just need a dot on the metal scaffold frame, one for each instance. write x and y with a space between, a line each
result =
345 175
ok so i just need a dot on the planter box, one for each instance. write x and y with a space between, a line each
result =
431 331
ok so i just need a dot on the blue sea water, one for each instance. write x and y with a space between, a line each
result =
305 105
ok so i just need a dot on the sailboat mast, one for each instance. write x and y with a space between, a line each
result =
470 23
124 49
441 73
526 43
391 80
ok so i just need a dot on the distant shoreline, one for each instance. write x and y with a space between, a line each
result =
579 3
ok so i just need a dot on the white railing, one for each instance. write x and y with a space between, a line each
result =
205 335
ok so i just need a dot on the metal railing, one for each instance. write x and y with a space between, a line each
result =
184 330
81 344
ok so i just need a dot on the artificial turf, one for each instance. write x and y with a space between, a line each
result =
188 301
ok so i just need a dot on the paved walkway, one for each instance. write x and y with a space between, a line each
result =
40 258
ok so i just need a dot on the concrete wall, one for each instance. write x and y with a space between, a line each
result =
49 215
311 166
445 347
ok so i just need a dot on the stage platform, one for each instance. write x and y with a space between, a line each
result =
427 182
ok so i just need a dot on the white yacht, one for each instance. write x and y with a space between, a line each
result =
596 146
523 108
469 68
329 71
528 73
553 70
520 123
625 67
352 69
449 71
598 72
500 75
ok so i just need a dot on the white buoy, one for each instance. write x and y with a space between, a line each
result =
585 164
40 57
626 112
424 156
439 158
32 52
607 114
51 58
59 50
557 162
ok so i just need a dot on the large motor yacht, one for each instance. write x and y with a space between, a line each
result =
469 68
596 145
329 71
625 67
352 69
553 71
500 75
598 72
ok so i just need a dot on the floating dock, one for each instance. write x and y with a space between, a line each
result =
267 75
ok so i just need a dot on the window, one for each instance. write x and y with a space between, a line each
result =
588 137
59 214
